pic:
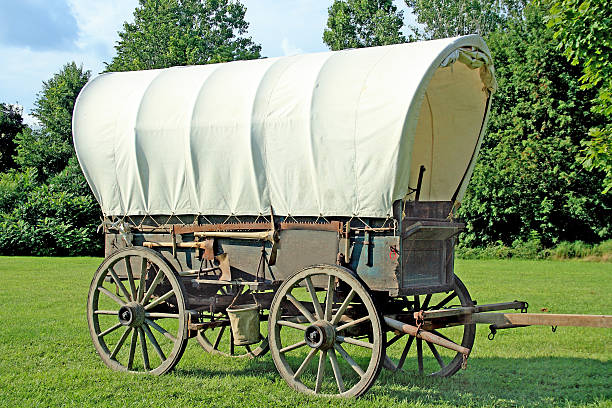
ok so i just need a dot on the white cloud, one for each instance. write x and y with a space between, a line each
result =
30 120
290 49
24 69
98 23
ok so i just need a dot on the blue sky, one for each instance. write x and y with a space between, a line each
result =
37 37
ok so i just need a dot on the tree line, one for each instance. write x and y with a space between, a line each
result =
544 173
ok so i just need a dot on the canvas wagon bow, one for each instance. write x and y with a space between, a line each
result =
315 192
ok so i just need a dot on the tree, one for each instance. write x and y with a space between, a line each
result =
11 123
450 18
584 31
363 23
47 207
527 184
49 148
183 32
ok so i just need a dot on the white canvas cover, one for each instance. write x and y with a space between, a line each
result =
335 134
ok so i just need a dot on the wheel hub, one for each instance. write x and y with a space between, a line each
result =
320 335
132 314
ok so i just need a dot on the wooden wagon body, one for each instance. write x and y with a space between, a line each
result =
320 189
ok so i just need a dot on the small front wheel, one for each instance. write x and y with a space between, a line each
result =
325 333
438 361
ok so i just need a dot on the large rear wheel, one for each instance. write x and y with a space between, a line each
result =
136 312
325 333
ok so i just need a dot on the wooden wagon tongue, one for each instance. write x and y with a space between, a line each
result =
478 315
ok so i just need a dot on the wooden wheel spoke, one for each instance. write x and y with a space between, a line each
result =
301 308
160 299
143 347
420 355
343 307
315 300
444 301
160 329
349 360
156 280
437 333
107 312
231 342
291 324
111 295
109 330
119 284
320 371
293 346
402 359
426 302
132 349
130 275
218 338
395 338
434 351
154 342
355 342
162 315
352 323
120 343
329 297
142 281
336 369
304 364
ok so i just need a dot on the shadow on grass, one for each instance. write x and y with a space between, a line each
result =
509 382
533 382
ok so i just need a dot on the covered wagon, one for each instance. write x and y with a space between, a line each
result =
303 205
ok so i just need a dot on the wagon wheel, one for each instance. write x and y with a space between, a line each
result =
335 331
440 362
138 322
218 340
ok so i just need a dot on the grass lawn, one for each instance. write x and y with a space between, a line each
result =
47 358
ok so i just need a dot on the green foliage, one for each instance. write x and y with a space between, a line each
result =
44 151
49 148
41 219
363 23
584 30
183 32
47 208
527 184
11 123
533 249
444 18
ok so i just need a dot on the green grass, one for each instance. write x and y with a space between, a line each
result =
47 359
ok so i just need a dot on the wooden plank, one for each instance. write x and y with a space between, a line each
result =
258 226
542 319
246 226
462 311
335 226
